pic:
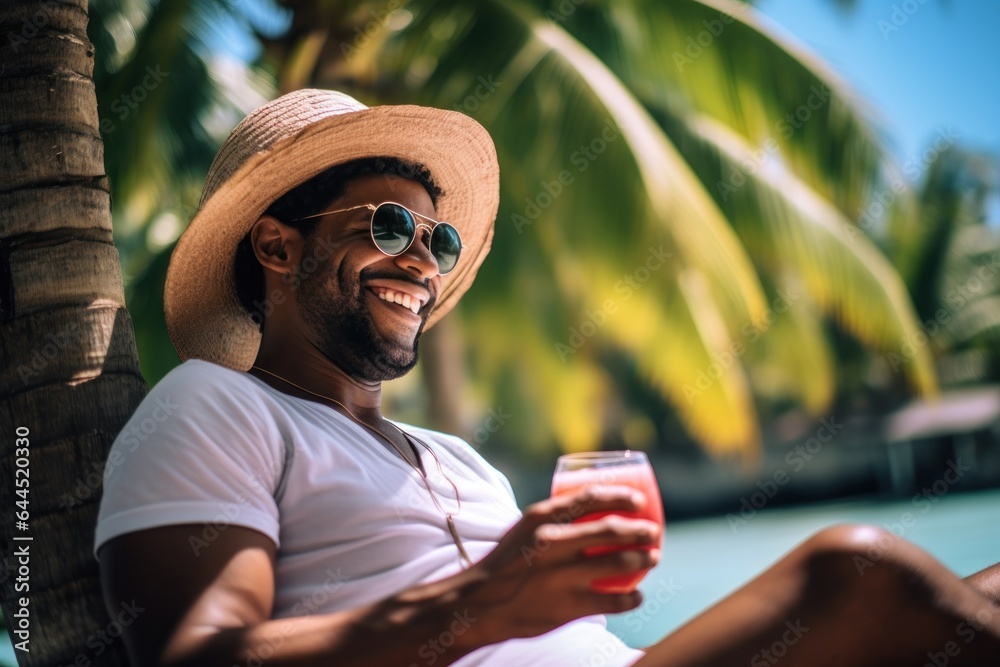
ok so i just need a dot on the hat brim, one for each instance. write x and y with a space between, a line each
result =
204 316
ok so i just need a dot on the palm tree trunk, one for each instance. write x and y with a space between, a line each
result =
441 352
68 365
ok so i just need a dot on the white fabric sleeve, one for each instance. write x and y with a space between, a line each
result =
199 449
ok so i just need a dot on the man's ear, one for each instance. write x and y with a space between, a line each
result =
276 245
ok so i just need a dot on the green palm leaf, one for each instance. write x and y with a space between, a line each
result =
794 361
725 61
789 228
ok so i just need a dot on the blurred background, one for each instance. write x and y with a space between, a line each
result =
758 240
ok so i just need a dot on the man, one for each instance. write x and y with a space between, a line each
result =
273 515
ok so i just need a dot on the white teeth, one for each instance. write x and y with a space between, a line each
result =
405 300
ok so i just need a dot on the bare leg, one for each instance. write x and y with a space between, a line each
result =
987 582
849 596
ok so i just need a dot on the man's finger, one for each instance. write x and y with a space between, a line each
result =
622 562
569 507
592 602
567 540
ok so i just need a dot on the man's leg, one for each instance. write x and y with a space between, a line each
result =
987 582
849 596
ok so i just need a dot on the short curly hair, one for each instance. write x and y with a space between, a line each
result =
310 198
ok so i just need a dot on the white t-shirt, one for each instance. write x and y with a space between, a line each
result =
353 523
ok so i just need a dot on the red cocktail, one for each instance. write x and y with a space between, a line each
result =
625 468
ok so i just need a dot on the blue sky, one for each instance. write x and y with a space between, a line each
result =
939 68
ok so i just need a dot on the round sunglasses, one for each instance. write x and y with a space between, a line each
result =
393 228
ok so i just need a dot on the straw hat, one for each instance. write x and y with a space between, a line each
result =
285 143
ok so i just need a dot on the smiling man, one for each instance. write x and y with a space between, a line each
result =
277 517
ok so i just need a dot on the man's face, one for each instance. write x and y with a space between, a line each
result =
342 303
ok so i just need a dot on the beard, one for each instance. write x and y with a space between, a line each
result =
342 328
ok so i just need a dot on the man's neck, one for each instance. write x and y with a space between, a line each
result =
299 362
303 371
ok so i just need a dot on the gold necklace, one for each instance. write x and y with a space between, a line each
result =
410 439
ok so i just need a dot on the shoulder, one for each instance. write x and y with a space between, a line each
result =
201 412
205 378
204 440
200 386
199 396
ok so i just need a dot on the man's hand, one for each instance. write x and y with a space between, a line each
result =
215 609
539 577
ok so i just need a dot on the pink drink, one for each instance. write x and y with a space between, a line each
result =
626 468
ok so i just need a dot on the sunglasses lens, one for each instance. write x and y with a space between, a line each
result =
392 228
446 245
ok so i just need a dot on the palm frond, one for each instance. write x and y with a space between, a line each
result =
789 228
725 60
793 359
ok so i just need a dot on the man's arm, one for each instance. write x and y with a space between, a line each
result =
214 608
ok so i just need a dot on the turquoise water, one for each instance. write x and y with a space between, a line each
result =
706 559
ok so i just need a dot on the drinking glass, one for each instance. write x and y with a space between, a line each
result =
624 468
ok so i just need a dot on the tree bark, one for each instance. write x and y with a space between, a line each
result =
441 351
69 370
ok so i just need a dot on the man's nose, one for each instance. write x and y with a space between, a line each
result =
418 260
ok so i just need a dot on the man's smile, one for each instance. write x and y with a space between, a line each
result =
395 304
408 295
